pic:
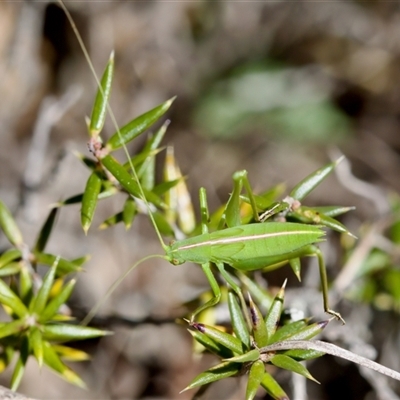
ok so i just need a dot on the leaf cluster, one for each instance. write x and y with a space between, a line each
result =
240 350
39 322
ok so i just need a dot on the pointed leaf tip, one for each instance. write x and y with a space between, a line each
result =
9 226
137 126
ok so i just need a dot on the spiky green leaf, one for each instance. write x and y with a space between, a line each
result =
137 126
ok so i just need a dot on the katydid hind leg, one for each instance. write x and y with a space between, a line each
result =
324 283
294 261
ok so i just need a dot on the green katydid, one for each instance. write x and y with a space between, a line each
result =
252 246
248 247
244 247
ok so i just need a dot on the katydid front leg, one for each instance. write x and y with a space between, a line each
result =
207 266
204 215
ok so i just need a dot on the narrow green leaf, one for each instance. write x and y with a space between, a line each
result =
9 226
45 231
54 305
99 111
129 212
25 284
223 338
20 365
36 343
302 355
288 330
275 311
249 356
238 322
285 362
256 375
211 345
11 269
53 361
295 264
62 318
10 299
81 260
56 288
136 127
232 210
128 182
334 224
267 200
38 303
220 371
260 333
70 200
138 159
89 200
148 173
310 215
64 266
333 211
8 256
89 162
165 187
70 354
152 148
111 221
262 297
273 388
12 328
64 332
162 224
107 192
302 189
18 373
147 170
309 331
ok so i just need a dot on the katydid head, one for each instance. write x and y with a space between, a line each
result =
173 256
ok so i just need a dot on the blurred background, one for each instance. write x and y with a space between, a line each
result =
278 88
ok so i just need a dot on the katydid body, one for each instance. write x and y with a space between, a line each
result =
246 247
250 247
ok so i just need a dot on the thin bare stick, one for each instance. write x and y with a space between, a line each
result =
332 349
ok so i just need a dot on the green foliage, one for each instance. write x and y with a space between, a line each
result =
34 327
241 356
